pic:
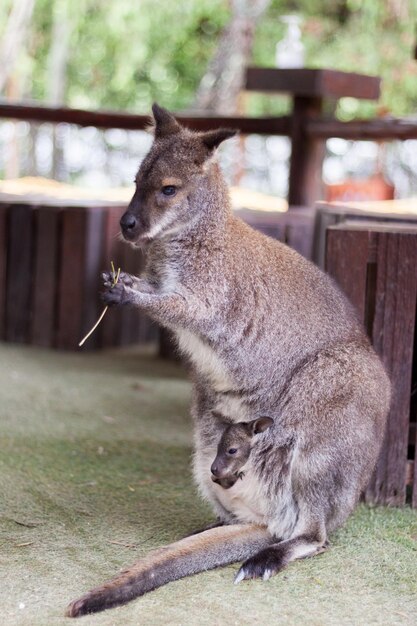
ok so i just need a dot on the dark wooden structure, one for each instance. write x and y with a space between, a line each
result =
331 213
50 264
375 265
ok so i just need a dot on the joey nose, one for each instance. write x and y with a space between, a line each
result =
214 470
128 222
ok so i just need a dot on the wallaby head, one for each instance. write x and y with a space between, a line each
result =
234 449
169 178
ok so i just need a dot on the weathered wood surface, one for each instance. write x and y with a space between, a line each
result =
78 277
375 264
388 129
313 82
328 214
4 212
19 273
305 180
45 275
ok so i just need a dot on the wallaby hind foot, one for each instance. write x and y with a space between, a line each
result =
276 557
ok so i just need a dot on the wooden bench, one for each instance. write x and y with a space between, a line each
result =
376 266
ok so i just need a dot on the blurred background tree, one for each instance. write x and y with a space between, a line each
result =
123 55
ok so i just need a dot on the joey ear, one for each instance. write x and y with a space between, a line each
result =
261 424
213 138
165 122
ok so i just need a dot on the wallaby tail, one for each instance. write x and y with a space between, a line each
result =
207 550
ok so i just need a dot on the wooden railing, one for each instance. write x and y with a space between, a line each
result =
306 128
127 121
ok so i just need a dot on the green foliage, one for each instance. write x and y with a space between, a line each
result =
363 36
124 55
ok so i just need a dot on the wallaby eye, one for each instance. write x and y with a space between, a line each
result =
232 451
169 190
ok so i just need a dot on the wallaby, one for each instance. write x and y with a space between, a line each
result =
266 333
234 448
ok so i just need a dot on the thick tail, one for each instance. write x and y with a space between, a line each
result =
207 550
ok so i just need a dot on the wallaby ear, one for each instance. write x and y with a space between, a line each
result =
213 138
165 122
261 424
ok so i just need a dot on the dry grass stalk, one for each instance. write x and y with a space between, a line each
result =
90 332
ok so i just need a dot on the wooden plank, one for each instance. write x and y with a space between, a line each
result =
71 278
19 274
363 130
81 256
313 82
347 263
393 338
45 276
4 211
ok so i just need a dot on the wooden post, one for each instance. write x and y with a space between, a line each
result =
307 154
309 88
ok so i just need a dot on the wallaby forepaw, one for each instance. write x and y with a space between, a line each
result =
109 278
117 294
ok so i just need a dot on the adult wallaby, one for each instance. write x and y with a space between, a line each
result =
266 333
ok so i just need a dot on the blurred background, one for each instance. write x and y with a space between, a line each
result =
190 57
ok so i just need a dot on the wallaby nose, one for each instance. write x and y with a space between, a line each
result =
128 222
214 469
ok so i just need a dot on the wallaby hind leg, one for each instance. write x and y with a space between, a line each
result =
277 556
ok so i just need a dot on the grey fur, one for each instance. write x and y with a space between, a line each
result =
234 448
265 333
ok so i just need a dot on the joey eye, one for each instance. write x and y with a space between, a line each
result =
169 190
232 451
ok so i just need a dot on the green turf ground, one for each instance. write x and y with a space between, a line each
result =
94 472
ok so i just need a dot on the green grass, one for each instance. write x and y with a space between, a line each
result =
94 472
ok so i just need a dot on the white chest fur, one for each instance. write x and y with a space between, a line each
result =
204 359
244 500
